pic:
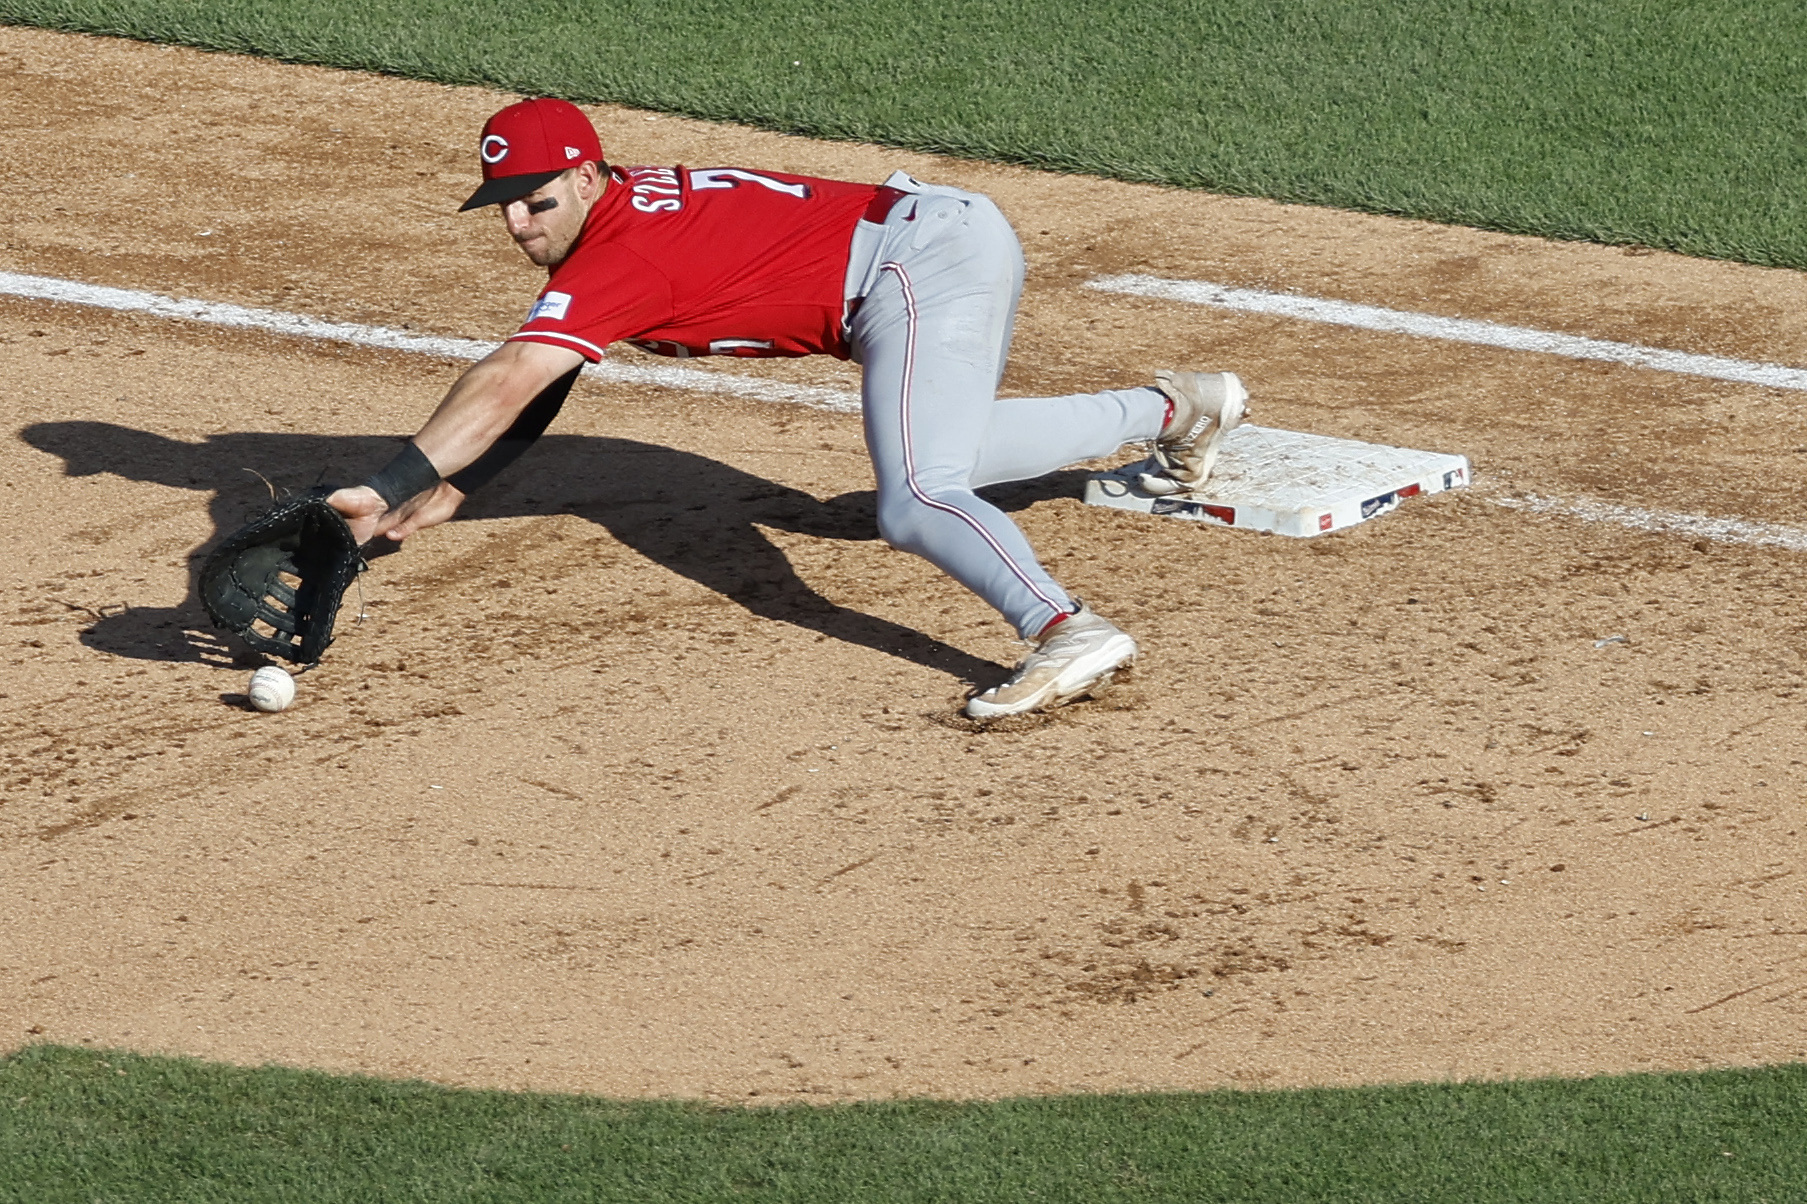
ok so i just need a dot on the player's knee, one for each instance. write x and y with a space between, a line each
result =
907 519
900 526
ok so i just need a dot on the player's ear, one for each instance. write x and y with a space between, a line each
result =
592 178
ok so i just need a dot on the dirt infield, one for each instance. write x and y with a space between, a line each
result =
648 778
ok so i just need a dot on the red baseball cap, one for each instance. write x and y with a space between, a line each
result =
529 143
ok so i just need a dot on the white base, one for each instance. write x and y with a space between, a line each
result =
1290 483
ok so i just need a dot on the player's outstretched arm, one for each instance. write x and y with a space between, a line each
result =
481 406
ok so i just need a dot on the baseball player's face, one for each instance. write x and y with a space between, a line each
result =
546 222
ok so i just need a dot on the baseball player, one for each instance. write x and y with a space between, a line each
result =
916 283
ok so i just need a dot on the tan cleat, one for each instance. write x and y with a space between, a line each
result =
1078 656
1206 407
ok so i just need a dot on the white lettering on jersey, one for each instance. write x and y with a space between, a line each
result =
552 305
732 177
661 347
739 346
656 189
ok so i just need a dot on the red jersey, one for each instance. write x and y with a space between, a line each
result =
705 261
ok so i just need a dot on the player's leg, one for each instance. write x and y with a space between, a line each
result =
1029 437
931 335
1185 415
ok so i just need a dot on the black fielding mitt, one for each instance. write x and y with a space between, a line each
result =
276 582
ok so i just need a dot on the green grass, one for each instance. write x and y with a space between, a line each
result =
79 1125
1672 123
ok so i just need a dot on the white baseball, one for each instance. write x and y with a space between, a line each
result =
271 689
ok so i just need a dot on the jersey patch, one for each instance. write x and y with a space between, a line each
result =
551 305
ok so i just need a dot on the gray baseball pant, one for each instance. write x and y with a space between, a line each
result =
938 284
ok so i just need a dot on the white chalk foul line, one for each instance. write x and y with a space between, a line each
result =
1455 330
217 313
1665 522
275 321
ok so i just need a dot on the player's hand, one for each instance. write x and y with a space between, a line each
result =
425 510
363 508
369 518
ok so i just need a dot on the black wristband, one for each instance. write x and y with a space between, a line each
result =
408 474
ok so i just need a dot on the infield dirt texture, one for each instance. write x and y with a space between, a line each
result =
648 779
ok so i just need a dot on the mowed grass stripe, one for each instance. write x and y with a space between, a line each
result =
1672 125
85 1125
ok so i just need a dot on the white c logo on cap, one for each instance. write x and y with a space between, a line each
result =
493 149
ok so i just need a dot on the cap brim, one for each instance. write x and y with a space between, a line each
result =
503 189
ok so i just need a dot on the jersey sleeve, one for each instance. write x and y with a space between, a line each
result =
588 305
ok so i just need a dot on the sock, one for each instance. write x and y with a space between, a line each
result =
1056 621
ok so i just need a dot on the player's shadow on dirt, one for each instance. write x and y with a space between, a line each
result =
693 515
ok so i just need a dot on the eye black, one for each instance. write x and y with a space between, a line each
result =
541 206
